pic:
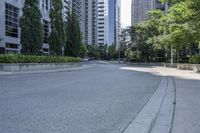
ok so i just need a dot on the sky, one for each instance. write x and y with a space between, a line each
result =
125 13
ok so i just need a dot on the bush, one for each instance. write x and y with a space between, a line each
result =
13 58
195 59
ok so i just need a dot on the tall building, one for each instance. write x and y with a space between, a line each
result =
9 26
11 11
140 9
114 22
76 7
67 6
103 22
159 5
89 21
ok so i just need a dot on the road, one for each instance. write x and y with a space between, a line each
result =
102 99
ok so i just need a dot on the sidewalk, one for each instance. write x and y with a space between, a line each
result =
175 106
187 109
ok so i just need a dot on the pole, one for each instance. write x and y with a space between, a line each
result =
172 57
119 49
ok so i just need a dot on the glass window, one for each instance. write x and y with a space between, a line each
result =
46 31
12 20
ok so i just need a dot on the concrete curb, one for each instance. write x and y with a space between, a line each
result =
157 115
164 119
21 67
103 62
49 70
145 120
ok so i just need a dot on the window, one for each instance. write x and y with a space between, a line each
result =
46 31
11 45
47 5
12 21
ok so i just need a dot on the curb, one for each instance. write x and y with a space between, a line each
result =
49 70
158 109
103 62
164 121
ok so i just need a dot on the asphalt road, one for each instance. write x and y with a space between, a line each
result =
103 99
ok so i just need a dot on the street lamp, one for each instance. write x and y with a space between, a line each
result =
119 54
63 51
172 55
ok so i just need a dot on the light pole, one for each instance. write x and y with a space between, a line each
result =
63 51
119 53
172 54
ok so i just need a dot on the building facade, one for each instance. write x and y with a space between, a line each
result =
67 6
140 9
103 22
99 22
9 26
114 22
89 21
117 23
159 5
11 11
76 7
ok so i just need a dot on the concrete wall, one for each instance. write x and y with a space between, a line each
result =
192 67
36 66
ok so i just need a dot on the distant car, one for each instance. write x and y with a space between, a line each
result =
84 59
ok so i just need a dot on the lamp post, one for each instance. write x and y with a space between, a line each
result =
63 51
172 54
119 53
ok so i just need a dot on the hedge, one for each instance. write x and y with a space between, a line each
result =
195 59
19 58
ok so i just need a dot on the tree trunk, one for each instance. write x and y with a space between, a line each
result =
178 55
190 50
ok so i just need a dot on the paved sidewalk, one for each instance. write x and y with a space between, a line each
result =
187 109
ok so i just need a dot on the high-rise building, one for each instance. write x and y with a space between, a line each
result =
140 9
159 5
11 11
76 7
67 6
114 22
103 22
89 21
9 26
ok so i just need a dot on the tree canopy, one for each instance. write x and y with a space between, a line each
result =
31 28
179 28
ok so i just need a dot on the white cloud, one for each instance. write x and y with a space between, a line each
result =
125 13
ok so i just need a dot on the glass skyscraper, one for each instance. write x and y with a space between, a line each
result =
114 22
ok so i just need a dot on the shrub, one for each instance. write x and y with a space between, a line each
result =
13 58
195 59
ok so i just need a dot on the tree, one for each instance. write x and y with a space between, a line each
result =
178 29
93 51
103 51
74 38
31 28
112 51
83 50
57 35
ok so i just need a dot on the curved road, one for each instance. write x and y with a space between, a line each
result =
103 99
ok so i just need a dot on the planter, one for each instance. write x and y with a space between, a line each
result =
36 66
193 67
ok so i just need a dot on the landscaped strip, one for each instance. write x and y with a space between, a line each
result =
19 58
